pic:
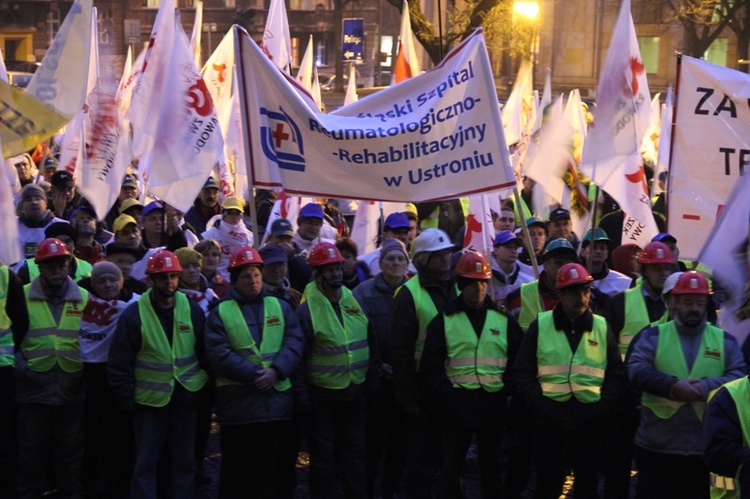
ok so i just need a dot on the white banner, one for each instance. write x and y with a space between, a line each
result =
711 147
435 136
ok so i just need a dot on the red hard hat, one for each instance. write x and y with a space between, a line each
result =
474 266
163 261
51 248
244 256
572 274
656 253
692 283
323 254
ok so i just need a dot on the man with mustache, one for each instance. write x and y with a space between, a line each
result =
676 365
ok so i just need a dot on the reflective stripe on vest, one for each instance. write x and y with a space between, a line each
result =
728 487
83 269
636 317
6 335
473 362
243 343
563 374
157 364
48 343
340 355
531 305
670 360
426 311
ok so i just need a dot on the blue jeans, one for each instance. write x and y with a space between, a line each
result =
169 429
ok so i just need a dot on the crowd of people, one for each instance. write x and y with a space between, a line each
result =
121 337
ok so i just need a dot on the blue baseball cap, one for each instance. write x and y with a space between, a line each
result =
311 210
152 206
397 221
210 184
505 237
272 253
536 221
662 236
281 227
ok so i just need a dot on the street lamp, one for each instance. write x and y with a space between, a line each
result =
530 11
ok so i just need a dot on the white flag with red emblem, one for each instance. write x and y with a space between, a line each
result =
305 71
611 154
285 206
172 106
480 231
406 65
277 43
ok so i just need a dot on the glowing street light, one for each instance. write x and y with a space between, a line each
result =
529 10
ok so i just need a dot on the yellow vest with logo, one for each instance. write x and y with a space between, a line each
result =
670 360
723 487
157 364
6 335
48 343
636 318
563 374
340 354
426 311
242 340
531 305
473 362
83 269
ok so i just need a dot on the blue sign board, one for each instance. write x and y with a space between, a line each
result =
352 46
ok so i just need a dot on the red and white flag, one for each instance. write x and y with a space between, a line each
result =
480 231
277 43
285 206
611 154
195 37
406 65
172 106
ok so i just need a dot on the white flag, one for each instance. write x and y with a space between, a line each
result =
305 71
406 65
10 245
665 141
285 206
517 110
277 43
317 97
611 154
365 226
727 252
60 81
195 38
172 106
351 88
3 69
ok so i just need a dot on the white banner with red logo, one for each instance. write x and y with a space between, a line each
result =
711 148
436 136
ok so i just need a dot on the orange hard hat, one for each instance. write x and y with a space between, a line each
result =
163 261
323 254
692 283
244 256
572 274
51 248
473 265
656 252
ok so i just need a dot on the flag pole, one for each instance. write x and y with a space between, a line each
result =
485 232
590 257
240 79
671 141
526 235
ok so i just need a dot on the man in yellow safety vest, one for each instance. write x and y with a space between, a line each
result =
155 367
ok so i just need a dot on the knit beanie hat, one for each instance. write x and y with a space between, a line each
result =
187 256
393 245
101 268
30 190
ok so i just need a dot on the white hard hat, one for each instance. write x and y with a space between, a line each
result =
670 283
430 240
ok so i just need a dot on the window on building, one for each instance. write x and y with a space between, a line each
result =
230 3
717 52
386 48
151 4
649 46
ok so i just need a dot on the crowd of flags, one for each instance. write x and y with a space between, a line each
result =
181 122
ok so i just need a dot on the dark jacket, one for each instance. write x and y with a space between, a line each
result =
571 414
375 296
127 342
404 331
472 408
242 404
196 219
